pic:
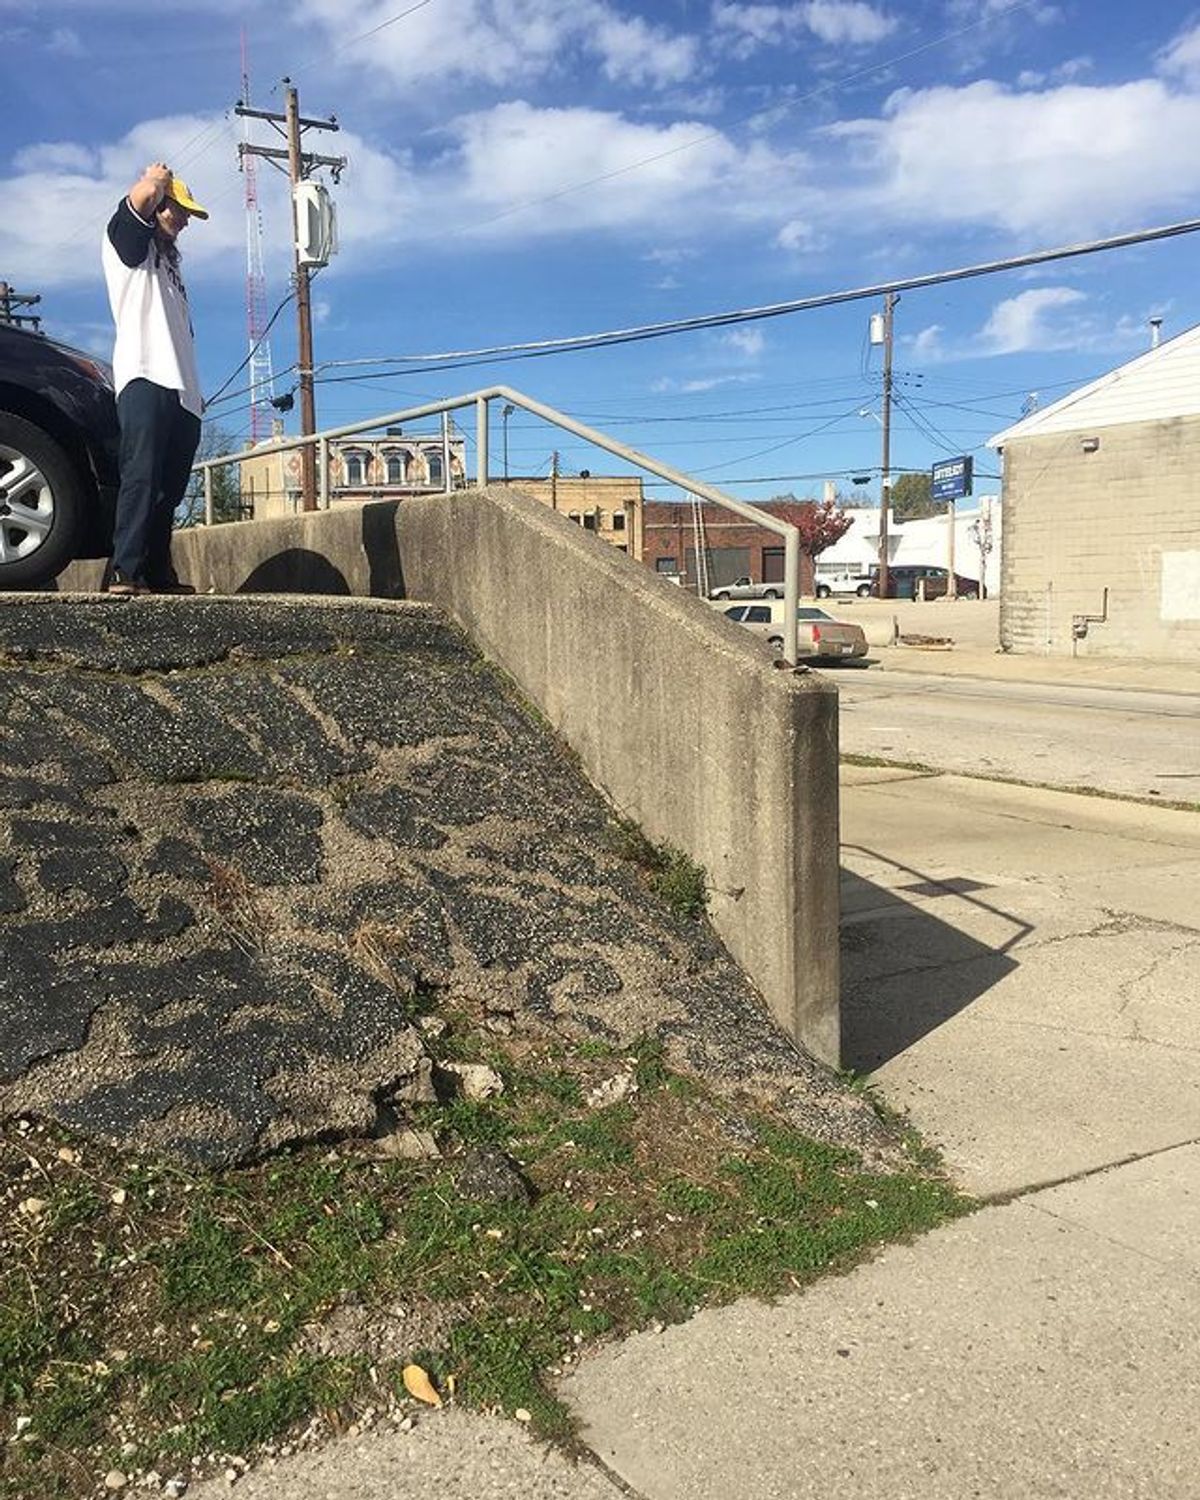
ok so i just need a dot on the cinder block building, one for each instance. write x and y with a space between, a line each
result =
1101 546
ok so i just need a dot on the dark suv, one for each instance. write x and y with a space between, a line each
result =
904 580
58 457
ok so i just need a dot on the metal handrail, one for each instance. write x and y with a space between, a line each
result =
480 399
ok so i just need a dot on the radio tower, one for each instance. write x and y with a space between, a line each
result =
261 375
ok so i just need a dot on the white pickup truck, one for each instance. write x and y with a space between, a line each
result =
742 588
862 584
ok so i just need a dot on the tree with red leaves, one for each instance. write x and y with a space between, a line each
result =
819 522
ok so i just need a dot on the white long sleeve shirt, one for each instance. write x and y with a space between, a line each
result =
150 308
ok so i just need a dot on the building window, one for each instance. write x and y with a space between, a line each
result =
396 468
356 468
618 520
436 472
589 520
574 515
666 565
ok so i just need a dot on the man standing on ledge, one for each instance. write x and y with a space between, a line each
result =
154 369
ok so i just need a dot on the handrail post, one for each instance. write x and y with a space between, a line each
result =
447 477
208 495
323 475
481 441
791 596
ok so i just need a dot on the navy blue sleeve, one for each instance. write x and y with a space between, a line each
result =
128 235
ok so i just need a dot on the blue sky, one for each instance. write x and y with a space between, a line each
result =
526 169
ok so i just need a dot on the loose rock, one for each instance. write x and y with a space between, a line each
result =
489 1176
475 1080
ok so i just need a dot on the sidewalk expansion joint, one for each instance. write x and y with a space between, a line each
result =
1017 1195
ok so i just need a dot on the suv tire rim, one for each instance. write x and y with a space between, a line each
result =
26 505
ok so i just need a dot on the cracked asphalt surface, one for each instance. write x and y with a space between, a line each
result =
244 843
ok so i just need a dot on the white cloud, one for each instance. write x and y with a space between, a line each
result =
501 42
509 173
41 245
1065 72
927 345
1027 322
516 154
1070 160
800 235
51 156
851 21
750 27
670 255
65 42
1180 58
748 342
667 384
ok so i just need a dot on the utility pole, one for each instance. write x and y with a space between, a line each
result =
10 300
554 481
885 486
299 166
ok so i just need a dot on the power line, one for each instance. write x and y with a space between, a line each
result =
460 358
213 399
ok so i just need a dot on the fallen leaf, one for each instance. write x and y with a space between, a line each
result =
417 1383
32 1206
118 1196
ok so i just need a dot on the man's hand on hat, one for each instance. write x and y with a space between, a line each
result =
159 174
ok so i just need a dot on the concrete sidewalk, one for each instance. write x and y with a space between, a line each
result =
1022 976
972 630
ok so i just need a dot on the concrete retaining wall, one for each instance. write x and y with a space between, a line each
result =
676 714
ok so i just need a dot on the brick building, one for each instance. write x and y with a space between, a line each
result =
734 548
1101 548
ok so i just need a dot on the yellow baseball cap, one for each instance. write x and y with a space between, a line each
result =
178 192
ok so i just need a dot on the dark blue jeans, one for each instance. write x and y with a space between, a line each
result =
158 443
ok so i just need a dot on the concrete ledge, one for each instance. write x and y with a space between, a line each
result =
675 713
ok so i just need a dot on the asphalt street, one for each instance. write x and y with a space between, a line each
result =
1113 739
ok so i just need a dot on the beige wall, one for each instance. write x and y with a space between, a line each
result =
677 714
1125 517
605 496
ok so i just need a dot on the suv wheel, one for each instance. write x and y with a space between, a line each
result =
41 503
771 594
863 591
823 591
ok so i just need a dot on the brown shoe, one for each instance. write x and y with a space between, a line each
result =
172 587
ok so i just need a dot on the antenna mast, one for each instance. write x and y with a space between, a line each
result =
261 375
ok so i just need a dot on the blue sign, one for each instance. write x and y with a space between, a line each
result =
952 478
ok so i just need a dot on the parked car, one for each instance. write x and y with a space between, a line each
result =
904 578
58 457
844 583
743 588
817 632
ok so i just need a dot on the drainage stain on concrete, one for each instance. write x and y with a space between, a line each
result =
245 842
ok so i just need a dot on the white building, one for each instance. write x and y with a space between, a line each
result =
926 541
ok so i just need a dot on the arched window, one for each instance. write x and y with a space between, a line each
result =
356 467
397 468
436 472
